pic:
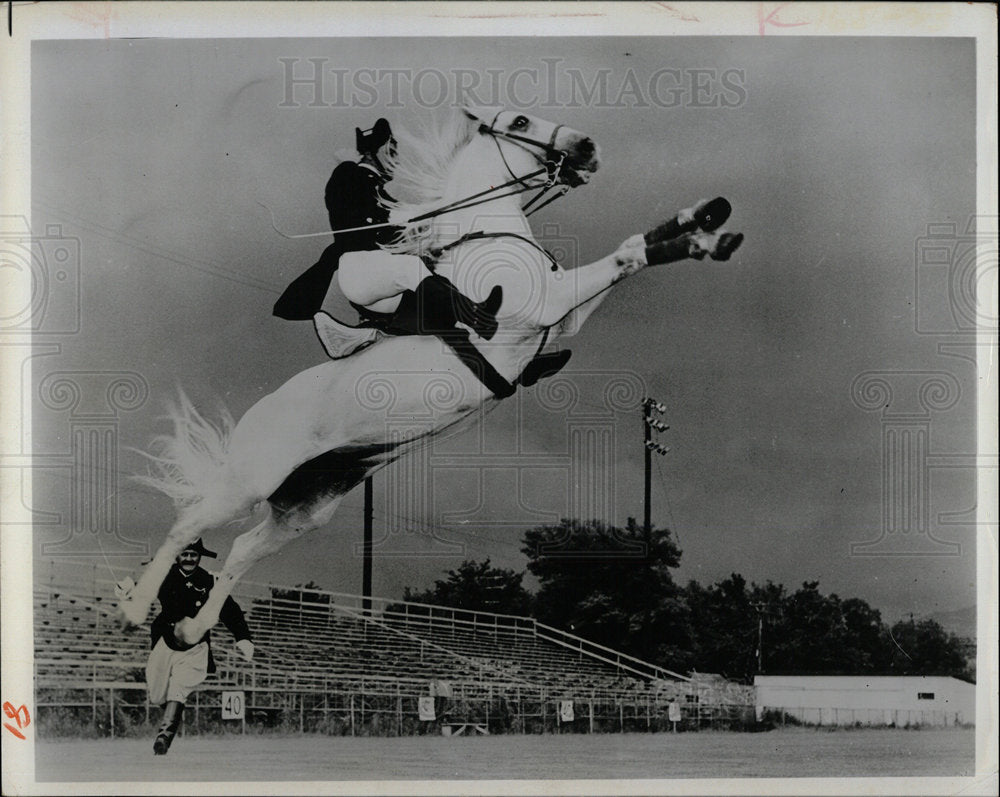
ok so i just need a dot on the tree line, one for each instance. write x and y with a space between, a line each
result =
614 586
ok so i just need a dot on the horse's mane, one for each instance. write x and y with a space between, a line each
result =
419 181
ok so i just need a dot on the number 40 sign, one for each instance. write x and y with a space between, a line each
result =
233 705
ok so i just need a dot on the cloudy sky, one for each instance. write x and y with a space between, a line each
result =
837 155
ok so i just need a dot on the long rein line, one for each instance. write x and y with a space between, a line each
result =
479 198
550 169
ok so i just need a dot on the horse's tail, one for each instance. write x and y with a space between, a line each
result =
188 465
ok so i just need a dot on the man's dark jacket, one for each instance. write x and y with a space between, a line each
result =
183 596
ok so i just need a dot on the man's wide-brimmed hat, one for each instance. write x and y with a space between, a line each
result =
370 140
199 547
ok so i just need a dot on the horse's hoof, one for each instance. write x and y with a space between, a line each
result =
713 214
127 626
707 216
728 243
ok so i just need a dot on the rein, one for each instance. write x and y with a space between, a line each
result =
483 234
550 167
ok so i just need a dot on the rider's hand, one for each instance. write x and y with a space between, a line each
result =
245 647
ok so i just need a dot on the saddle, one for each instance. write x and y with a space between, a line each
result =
341 340
435 293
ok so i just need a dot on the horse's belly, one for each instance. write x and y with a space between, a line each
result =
394 394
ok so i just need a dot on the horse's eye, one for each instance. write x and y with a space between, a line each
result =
520 122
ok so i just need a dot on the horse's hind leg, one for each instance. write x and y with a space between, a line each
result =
278 528
192 522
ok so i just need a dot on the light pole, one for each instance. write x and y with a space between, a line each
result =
649 423
366 551
760 635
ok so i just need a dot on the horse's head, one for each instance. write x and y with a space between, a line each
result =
525 142
476 157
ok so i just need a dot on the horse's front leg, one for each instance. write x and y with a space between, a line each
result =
569 290
573 295
277 530
695 245
706 215
586 287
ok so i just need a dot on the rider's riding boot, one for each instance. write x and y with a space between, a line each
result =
172 713
437 305
544 365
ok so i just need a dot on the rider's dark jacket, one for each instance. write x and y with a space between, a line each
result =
183 596
352 200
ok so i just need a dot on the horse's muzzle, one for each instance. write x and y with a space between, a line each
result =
582 160
581 156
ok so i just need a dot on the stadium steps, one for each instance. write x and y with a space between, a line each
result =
319 645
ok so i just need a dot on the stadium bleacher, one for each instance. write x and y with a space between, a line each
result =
315 638
339 663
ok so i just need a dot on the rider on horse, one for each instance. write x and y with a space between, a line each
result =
396 294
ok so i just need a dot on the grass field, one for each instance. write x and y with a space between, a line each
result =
789 752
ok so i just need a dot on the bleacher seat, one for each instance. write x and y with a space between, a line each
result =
311 645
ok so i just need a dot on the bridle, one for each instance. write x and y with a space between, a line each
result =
550 159
553 157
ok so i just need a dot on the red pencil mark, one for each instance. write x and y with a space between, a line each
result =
97 15
772 19
20 716
513 16
677 13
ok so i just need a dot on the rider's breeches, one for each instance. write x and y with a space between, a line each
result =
173 674
374 279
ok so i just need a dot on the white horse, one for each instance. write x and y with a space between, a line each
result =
299 450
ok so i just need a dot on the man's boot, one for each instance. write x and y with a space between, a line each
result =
436 306
543 366
172 713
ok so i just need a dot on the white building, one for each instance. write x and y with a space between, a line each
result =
899 700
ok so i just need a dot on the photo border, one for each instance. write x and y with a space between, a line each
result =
30 22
